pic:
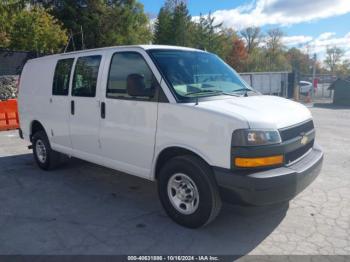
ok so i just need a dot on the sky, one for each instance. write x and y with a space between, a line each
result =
310 25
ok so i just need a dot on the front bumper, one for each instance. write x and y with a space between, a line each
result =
270 186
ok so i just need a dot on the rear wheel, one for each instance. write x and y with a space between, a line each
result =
45 157
188 191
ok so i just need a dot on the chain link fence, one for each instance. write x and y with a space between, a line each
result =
268 83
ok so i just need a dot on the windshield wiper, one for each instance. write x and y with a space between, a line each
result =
242 89
213 91
230 94
246 90
205 91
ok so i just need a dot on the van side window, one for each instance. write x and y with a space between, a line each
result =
85 76
127 66
61 78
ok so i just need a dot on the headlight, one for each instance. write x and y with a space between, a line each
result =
258 137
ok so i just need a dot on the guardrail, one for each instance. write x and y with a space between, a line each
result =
9 115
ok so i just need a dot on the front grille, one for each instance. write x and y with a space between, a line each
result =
294 155
295 131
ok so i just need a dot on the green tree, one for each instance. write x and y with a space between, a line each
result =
98 23
5 26
124 23
343 69
30 28
174 25
181 24
274 40
36 30
208 35
333 58
256 61
8 8
172 4
275 51
252 37
299 61
162 27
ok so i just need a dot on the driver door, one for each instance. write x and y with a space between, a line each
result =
128 123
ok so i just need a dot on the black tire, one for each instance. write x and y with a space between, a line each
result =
209 203
52 159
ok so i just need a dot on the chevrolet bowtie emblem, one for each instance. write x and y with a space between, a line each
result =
304 140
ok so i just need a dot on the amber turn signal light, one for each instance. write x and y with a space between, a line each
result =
258 161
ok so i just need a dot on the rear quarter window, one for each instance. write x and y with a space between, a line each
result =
61 77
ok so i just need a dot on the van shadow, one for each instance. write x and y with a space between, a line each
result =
82 208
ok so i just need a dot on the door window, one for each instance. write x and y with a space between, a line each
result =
85 76
61 78
126 67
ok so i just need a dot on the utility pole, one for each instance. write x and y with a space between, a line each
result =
65 49
314 75
82 37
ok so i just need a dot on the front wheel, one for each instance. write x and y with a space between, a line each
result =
188 191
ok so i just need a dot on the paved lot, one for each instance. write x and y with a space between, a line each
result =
85 209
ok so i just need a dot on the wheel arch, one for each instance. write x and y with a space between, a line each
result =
172 151
35 126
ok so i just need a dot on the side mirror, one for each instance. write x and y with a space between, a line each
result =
135 86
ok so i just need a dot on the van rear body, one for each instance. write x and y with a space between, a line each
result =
178 116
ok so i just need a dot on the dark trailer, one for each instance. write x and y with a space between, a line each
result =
341 89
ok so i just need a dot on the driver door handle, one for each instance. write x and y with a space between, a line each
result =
72 107
103 110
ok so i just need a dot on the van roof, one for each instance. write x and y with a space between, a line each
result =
144 47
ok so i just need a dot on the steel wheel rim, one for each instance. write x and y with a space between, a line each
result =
40 151
183 193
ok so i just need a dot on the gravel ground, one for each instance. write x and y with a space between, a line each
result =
8 87
86 209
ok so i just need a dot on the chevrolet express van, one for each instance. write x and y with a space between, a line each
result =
178 116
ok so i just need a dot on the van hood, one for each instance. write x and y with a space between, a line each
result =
260 111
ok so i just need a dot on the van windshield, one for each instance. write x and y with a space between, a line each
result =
194 74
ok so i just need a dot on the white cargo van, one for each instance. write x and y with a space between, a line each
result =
178 116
